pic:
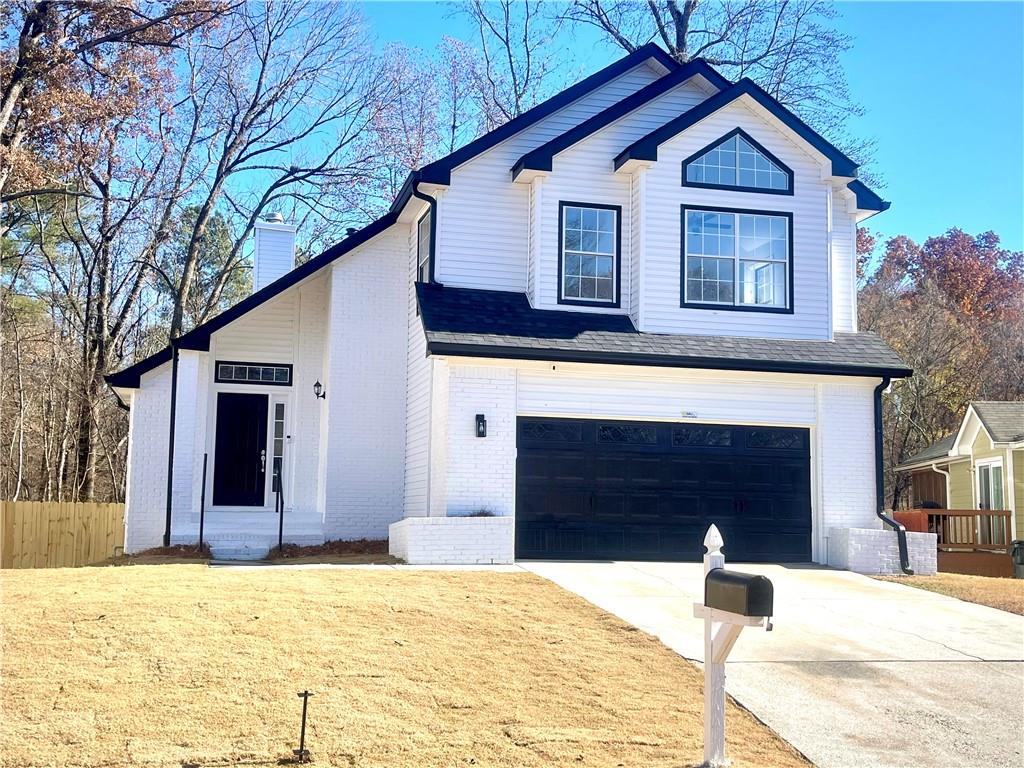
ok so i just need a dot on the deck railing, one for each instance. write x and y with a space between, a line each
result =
961 529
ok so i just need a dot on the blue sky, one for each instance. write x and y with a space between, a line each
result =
943 89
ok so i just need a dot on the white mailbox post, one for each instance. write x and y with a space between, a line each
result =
732 601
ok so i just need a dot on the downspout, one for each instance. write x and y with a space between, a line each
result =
170 440
936 470
901 531
433 224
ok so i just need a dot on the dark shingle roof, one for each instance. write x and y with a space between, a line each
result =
937 450
1003 420
478 323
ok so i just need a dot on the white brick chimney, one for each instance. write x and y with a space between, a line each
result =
274 253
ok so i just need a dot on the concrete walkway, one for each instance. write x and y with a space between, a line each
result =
857 672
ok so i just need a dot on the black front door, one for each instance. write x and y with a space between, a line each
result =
240 456
592 489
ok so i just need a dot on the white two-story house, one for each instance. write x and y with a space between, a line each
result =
620 317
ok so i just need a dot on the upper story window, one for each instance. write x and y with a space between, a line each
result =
589 254
737 259
736 161
424 248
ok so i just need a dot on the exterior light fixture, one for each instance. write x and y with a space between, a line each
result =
318 390
481 425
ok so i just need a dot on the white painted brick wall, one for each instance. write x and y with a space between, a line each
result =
366 390
876 551
147 461
453 540
481 470
846 439
189 442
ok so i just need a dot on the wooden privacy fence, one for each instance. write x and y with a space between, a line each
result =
51 534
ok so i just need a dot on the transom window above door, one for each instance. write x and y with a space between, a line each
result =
589 254
230 372
736 259
736 161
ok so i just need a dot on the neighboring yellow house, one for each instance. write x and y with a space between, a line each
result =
980 466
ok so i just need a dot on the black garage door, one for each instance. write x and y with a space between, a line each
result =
591 489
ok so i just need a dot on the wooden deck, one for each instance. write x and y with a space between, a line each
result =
970 541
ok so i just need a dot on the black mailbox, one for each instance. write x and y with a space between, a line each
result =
736 592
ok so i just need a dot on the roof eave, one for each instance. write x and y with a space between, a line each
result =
509 352
646 148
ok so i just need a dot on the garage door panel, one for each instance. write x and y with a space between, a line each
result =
608 490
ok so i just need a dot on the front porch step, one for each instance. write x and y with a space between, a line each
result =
238 550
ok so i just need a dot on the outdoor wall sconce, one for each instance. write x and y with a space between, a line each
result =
318 390
481 425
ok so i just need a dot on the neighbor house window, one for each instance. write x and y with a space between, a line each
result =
737 259
589 254
736 161
253 373
423 248
990 485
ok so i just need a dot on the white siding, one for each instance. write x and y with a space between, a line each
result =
417 394
146 491
583 173
844 263
700 397
483 242
273 253
264 335
366 389
661 291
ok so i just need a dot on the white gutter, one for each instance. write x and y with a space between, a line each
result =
935 468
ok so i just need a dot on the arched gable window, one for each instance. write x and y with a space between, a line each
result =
738 162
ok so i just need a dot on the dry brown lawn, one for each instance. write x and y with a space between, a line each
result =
1004 594
185 665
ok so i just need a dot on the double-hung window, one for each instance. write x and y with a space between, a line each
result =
424 250
589 254
737 259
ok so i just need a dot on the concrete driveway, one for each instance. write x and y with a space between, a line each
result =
857 672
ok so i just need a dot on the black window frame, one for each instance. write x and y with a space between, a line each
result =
430 246
790 295
738 187
252 364
616 302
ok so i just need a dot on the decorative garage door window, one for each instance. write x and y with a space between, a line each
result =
627 433
713 437
552 431
778 439
274 374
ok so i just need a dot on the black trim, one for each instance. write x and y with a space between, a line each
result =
866 199
170 441
432 245
646 148
439 172
502 352
739 187
901 531
541 158
787 310
218 363
562 204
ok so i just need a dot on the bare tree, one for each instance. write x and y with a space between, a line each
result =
791 48
515 56
279 96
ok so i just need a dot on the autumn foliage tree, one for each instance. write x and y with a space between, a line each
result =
953 308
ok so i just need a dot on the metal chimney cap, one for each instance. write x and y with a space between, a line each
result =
274 218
